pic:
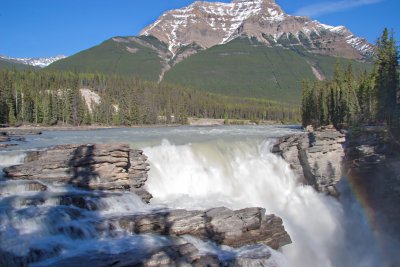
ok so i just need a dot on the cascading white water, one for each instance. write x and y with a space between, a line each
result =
11 158
192 168
245 173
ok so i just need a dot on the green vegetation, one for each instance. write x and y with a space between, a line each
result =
6 64
120 55
244 67
248 68
49 98
367 99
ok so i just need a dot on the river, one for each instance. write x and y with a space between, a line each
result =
191 168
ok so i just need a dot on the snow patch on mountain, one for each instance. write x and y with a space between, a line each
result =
36 62
212 23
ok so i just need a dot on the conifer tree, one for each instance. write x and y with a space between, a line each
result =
387 79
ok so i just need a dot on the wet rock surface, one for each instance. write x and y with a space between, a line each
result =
88 166
315 157
6 137
220 225
178 253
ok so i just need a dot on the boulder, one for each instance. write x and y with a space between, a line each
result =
315 157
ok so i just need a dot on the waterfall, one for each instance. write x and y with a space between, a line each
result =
191 169
245 173
11 158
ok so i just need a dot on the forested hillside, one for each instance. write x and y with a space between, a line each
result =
245 67
6 64
370 98
49 98
115 56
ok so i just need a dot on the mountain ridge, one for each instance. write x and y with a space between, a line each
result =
214 23
35 62
261 52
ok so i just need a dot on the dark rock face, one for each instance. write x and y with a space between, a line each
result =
315 157
221 225
95 167
373 166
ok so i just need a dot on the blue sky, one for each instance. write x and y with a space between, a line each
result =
42 28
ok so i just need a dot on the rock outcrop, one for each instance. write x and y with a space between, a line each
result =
221 225
315 157
250 229
89 166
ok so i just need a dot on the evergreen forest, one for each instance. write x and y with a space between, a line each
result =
46 97
370 98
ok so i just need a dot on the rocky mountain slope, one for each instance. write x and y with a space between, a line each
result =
207 24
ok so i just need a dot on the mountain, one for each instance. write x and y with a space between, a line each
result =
211 23
35 62
140 56
246 48
6 64
247 68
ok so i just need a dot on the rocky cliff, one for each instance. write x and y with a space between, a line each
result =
315 157
212 23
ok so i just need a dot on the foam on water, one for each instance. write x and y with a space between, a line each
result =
192 168
11 158
245 173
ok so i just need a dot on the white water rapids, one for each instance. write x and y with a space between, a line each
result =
192 169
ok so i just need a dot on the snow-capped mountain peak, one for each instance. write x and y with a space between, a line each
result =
212 23
36 62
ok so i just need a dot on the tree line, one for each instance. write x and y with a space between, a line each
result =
369 98
54 98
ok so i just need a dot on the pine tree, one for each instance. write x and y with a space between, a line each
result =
387 79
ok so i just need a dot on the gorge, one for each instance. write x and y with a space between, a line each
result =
192 171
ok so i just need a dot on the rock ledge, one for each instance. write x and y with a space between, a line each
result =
315 157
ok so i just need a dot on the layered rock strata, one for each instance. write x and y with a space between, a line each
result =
250 229
89 166
315 157
221 225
